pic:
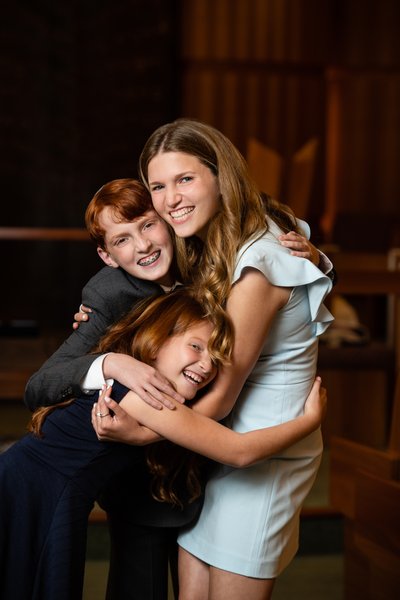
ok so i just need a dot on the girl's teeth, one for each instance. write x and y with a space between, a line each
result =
192 377
182 212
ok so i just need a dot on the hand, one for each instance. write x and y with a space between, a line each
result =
300 246
82 315
152 387
113 424
316 403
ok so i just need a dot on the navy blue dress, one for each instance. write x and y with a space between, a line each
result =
47 489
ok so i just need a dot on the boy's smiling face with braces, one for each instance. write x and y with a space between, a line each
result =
142 247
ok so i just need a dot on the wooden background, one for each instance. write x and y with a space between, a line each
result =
85 83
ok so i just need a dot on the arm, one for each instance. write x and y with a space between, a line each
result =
60 376
252 321
110 294
189 429
219 401
300 245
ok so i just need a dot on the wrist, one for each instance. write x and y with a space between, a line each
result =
110 366
312 421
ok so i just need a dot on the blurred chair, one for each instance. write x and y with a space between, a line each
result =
266 167
365 488
347 457
372 540
273 174
351 371
301 177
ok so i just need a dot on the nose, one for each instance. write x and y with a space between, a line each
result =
173 198
143 243
206 364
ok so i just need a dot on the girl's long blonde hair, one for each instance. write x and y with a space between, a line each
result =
141 333
210 266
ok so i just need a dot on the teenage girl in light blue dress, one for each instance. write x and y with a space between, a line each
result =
248 528
250 518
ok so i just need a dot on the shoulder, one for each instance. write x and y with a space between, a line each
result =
118 279
115 291
266 243
266 254
262 244
107 276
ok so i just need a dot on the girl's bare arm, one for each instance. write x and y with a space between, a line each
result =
252 305
192 430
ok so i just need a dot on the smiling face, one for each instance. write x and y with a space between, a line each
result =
184 359
185 192
142 247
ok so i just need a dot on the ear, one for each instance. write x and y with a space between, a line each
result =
105 257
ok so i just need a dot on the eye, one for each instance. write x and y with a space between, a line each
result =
156 187
196 347
148 225
120 241
186 179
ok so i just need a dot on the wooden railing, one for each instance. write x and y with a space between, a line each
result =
43 233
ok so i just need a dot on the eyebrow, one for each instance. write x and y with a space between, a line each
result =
118 236
149 216
177 176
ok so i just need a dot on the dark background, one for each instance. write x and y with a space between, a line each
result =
82 86
84 83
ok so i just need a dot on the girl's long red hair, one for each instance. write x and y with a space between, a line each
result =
141 333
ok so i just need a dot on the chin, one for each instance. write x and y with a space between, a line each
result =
188 394
184 230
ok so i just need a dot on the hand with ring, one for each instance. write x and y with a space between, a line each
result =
101 415
120 426
100 409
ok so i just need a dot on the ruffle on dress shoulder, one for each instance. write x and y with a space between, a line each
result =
282 269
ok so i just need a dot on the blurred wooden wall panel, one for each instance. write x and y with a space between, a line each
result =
281 108
274 30
369 131
362 157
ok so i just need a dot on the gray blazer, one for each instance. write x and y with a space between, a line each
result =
110 293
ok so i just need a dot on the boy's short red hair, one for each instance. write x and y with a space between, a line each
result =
128 199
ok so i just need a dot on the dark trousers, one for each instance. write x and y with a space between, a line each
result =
139 561
143 536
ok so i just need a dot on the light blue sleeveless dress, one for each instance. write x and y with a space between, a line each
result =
250 519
